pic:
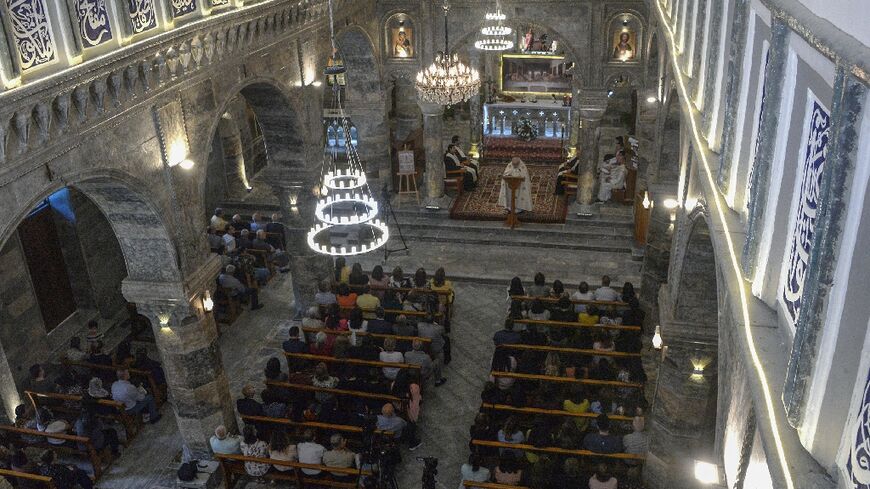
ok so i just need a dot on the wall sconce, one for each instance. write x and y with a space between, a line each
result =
172 131
164 317
207 301
657 341
652 100
697 371
646 202
670 204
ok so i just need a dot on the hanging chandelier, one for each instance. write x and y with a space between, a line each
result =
447 81
494 34
346 214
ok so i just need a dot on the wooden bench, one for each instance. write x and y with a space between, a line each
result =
233 468
554 300
344 428
344 311
114 410
569 351
155 389
573 324
32 479
455 179
337 392
549 412
232 305
89 452
491 485
349 361
568 380
366 333
558 451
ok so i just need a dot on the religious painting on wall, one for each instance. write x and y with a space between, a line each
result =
624 45
534 74
93 22
859 449
624 39
400 37
532 42
31 31
816 135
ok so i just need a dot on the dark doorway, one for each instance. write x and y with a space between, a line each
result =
48 272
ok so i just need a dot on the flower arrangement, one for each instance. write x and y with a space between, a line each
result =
526 130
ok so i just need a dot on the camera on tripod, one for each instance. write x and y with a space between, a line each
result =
430 470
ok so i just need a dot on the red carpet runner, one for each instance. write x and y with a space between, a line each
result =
541 150
481 204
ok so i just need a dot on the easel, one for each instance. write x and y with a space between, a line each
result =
407 177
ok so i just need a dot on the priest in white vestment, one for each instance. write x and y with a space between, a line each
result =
516 168
612 177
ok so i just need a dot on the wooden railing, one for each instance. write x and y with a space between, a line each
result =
568 380
570 324
557 450
569 351
550 412
349 361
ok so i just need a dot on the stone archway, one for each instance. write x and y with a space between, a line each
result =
684 409
365 98
186 335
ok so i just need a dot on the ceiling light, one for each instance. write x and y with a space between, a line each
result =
706 473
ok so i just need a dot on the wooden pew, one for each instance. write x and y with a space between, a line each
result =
349 361
569 380
33 479
232 305
337 392
366 333
397 312
550 412
570 351
89 452
558 451
569 324
554 300
153 387
233 467
490 485
344 428
131 424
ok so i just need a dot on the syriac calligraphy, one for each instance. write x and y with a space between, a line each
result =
31 32
93 18
805 219
182 7
142 15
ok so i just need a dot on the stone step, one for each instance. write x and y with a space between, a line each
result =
577 230
466 237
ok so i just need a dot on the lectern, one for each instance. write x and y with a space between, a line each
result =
513 184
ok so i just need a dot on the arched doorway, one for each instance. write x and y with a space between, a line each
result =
257 129
365 98
685 404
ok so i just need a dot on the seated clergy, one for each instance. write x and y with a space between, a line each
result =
569 167
452 162
612 177
464 158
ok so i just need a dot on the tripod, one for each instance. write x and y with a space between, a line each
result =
388 208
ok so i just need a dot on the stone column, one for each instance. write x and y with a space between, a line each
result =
433 129
407 112
657 254
590 105
297 199
681 425
187 340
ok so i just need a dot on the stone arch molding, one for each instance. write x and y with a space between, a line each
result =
695 296
467 39
148 250
364 80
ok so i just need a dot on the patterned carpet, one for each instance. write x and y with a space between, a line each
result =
481 204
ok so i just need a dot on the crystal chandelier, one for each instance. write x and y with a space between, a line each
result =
495 33
346 214
447 81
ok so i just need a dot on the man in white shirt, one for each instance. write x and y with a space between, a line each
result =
135 399
605 293
388 421
390 355
224 443
310 452
218 223
230 240
612 177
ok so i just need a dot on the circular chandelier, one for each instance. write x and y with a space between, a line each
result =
495 33
447 81
346 214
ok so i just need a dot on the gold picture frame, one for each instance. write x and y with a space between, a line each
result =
537 75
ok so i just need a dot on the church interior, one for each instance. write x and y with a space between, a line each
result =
390 244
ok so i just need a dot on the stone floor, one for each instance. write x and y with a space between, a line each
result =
481 257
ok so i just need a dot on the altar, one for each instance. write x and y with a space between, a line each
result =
551 118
